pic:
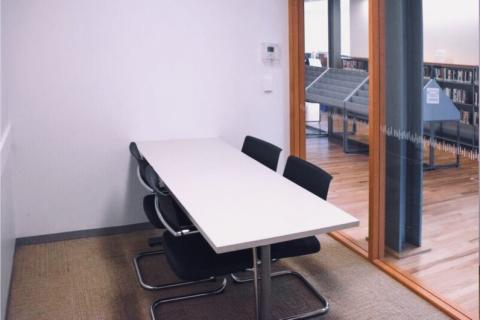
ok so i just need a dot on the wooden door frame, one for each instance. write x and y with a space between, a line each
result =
297 77
377 172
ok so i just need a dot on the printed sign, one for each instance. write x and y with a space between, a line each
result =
433 96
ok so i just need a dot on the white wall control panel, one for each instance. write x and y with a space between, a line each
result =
270 53
267 83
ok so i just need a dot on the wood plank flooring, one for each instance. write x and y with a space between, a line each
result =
450 224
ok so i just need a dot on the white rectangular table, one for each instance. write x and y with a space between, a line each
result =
237 203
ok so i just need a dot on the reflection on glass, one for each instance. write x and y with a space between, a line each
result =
431 218
336 90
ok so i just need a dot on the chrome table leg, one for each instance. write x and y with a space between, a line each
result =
255 283
266 291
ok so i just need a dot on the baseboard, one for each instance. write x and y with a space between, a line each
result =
72 235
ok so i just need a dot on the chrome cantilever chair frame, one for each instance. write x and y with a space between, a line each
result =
151 287
154 241
216 291
162 187
213 292
306 315
140 256
183 232
163 190
142 182
314 313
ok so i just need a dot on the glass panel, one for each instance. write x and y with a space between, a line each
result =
336 80
431 223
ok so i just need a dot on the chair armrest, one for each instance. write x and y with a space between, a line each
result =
188 230
184 230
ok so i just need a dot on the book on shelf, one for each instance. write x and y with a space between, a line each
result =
355 64
457 95
454 74
426 71
465 117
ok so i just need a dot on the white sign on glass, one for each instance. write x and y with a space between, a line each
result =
433 96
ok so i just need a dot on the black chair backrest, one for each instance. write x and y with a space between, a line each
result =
150 212
262 151
141 162
134 151
308 176
169 208
152 179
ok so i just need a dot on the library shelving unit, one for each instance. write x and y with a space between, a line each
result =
345 92
355 63
437 113
460 84
312 74
322 56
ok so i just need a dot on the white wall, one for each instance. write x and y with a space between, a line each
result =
450 30
84 78
359 28
345 26
7 219
316 26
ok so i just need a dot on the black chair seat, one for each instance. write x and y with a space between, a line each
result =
295 248
192 258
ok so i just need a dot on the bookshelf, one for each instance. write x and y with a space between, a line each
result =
355 63
460 83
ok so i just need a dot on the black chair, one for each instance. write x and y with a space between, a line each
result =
317 181
192 259
141 165
262 151
163 212
167 209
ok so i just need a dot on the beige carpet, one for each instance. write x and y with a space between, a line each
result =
94 279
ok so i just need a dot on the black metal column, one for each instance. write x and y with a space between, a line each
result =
404 159
334 34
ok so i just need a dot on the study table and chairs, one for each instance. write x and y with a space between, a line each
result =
225 211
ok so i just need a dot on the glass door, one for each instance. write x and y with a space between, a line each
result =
336 95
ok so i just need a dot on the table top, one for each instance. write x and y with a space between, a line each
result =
236 202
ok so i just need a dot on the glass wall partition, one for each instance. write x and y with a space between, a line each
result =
336 92
431 156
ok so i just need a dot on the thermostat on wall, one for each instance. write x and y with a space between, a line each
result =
270 53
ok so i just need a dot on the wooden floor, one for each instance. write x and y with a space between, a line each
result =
450 225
